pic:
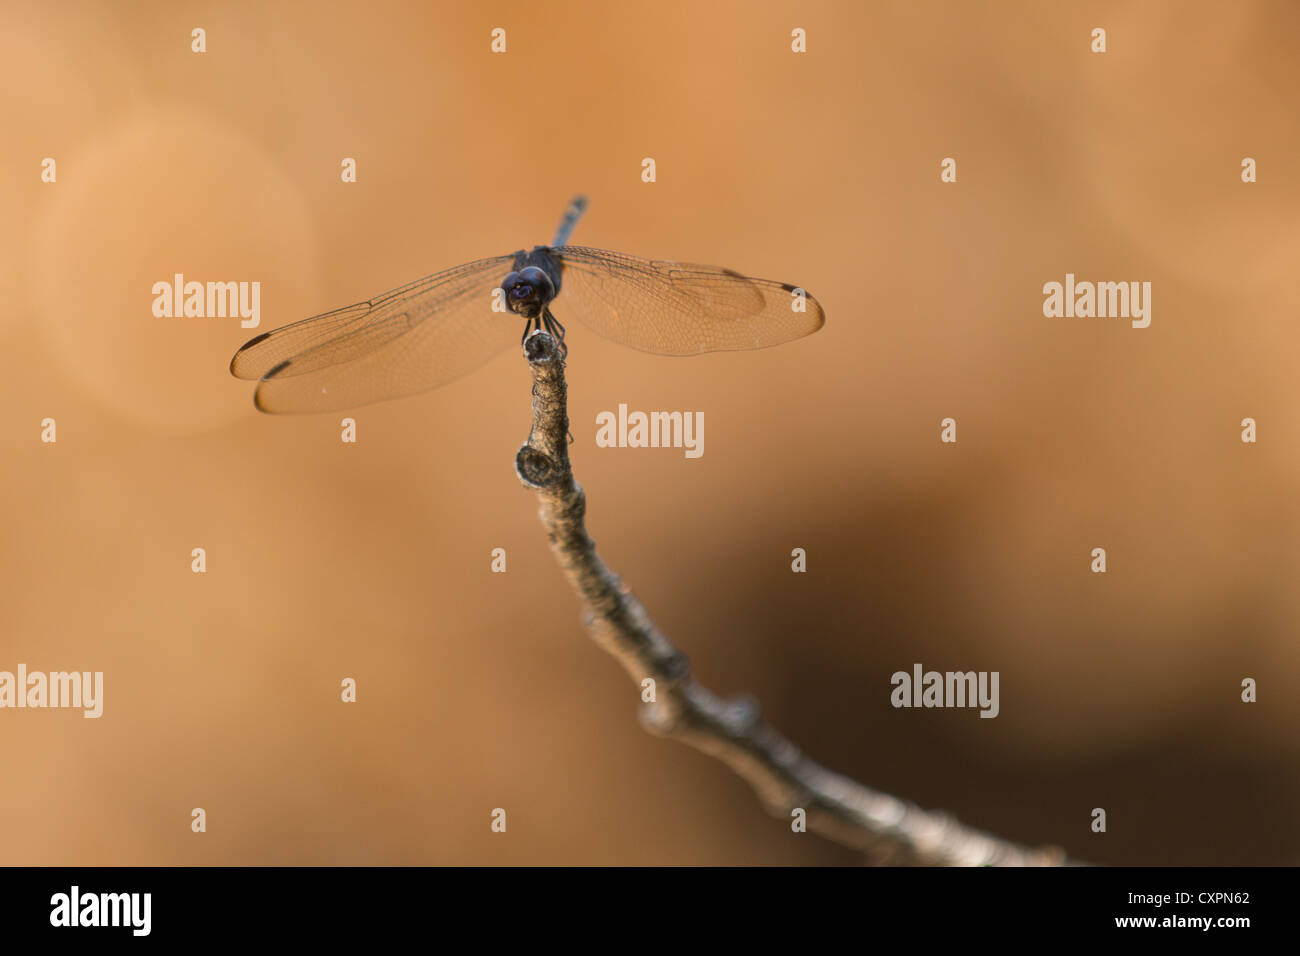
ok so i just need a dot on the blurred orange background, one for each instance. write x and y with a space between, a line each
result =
479 690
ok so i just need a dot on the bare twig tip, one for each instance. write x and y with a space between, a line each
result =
540 346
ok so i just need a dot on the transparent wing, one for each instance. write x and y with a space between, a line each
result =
677 308
411 339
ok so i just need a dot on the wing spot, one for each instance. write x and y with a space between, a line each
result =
276 370
253 341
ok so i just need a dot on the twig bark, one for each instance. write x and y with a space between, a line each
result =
888 830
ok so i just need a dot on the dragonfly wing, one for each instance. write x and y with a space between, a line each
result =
679 308
411 339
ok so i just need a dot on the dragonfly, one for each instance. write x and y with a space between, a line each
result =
436 329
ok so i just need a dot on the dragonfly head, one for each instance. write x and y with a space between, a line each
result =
528 291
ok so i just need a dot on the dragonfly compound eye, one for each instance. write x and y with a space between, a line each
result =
528 290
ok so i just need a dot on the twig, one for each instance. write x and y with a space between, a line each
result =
889 830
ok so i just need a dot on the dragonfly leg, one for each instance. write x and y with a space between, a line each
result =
530 325
555 328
